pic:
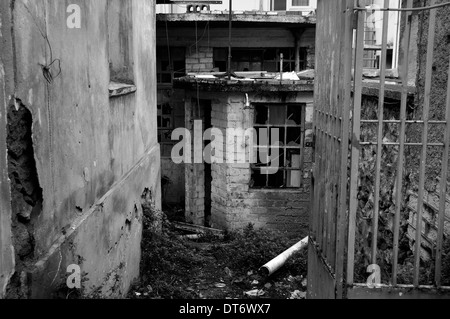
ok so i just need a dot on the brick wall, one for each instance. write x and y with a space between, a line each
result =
199 59
195 174
219 196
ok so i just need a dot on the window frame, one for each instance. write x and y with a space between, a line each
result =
312 6
160 73
288 63
301 147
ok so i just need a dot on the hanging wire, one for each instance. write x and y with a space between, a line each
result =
168 46
46 68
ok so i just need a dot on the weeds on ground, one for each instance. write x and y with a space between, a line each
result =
169 264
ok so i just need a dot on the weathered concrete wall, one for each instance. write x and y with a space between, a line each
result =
199 61
234 203
6 84
95 156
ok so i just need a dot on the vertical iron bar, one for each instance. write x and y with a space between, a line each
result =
443 187
380 133
230 22
401 152
341 219
285 174
269 141
423 159
357 101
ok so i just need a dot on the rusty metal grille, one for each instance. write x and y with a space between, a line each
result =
347 153
404 147
331 150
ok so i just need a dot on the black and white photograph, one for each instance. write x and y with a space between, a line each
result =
224 158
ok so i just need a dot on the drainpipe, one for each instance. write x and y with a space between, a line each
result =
281 66
278 262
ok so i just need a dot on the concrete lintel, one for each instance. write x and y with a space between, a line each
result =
224 17
238 86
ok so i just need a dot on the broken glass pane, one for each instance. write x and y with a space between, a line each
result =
294 115
293 136
261 114
277 115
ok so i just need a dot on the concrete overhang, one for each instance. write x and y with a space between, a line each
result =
290 18
392 91
246 86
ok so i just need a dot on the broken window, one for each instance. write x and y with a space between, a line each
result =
300 3
289 121
171 64
267 59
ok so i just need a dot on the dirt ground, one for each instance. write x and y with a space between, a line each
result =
214 267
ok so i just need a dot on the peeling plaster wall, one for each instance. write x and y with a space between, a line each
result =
6 248
94 155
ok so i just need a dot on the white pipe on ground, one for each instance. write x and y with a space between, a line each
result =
279 261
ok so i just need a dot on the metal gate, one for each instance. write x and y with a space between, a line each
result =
361 205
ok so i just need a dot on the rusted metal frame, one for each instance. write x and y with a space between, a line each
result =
407 122
317 156
401 153
443 187
380 134
302 143
356 138
314 211
323 259
397 144
431 7
336 138
280 147
327 76
320 184
424 287
285 173
326 172
329 168
336 142
423 159
341 219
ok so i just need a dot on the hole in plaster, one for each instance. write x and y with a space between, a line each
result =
26 193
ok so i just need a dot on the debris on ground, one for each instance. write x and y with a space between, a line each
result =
217 267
